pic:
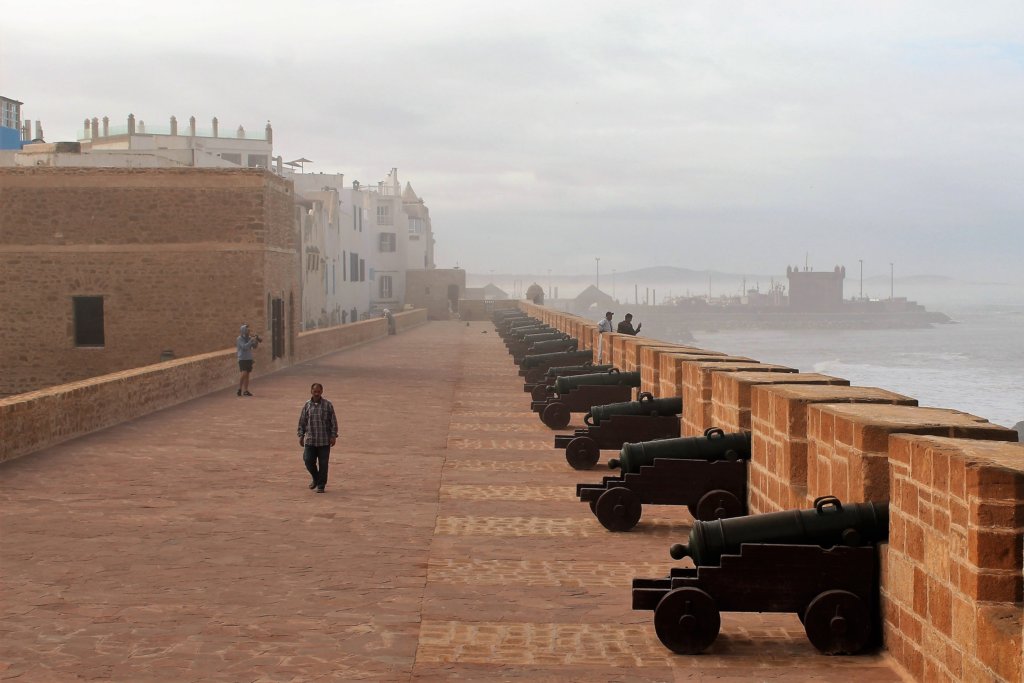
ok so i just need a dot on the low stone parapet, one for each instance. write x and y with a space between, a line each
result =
38 419
778 421
953 573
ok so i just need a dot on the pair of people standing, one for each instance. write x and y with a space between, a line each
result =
624 327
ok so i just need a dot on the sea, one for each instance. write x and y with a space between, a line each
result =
974 364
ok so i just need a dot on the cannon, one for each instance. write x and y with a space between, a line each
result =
821 564
534 366
645 404
691 471
612 426
509 328
517 346
517 334
539 390
518 329
549 346
586 391
714 445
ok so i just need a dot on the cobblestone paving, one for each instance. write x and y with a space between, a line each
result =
185 546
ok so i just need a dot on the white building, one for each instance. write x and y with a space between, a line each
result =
420 253
186 143
338 290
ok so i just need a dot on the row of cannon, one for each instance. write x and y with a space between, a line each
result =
820 563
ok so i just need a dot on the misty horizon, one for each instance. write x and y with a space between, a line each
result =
728 136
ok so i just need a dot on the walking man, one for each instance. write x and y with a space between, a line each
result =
244 346
318 431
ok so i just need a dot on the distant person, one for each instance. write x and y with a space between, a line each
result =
626 326
318 432
244 346
390 317
602 327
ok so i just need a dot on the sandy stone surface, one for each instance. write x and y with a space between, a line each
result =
185 546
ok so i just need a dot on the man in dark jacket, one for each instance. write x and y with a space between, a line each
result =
626 326
318 431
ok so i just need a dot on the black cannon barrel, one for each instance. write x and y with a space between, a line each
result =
545 336
568 370
520 333
553 345
506 314
519 343
645 404
548 359
829 523
611 378
522 323
714 445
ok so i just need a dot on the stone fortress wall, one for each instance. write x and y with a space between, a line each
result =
952 573
34 420
180 257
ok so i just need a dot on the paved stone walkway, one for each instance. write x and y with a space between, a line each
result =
185 546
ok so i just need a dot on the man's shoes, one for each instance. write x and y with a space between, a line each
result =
239 392
320 490
312 485
246 394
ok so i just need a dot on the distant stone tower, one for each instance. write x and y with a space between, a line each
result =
811 291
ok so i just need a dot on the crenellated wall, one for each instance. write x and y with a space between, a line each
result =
37 419
953 570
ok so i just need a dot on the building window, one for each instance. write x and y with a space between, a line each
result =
415 226
233 158
353 261
384 215
344 266
387 241
88 320
385 286
362 270
258 161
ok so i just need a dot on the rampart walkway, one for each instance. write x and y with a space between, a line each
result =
185 546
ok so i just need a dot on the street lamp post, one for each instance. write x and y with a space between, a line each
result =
861 278
597 265
549 284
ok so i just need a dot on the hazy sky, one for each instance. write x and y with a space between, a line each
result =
737 136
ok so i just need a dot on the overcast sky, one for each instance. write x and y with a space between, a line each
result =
736 136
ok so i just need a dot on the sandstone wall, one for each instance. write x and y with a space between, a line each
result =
181 257
37 419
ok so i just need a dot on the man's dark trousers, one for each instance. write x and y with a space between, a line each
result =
317 459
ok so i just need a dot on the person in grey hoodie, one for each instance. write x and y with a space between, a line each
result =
244 346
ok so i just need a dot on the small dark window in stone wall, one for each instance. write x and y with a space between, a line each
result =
88 320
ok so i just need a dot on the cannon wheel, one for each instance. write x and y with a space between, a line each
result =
837 623
582 453
687 620
539 392
717 504
618 509
555 415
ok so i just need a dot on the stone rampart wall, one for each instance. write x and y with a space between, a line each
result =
37 419
180 256
953 570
